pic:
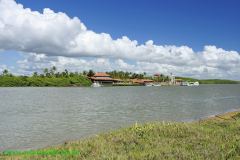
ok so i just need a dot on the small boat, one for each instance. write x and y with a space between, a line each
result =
149 84
157 84
190 84
96 84
152 84
193 84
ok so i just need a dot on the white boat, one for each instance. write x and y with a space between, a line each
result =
96 84
184 84
196 83
190 84
193 84
148 84
152 84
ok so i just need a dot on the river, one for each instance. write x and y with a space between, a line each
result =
32 118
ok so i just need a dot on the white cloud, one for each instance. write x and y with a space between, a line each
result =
37 62
64 40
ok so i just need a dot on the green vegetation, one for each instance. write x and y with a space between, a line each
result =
214 138
209 81
126 75
50 77
218 81
130 75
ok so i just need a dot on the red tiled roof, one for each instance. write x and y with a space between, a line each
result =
105 79
101 74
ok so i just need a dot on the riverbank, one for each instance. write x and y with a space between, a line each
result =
213 138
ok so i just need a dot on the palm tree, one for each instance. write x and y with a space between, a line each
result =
90 73
45 71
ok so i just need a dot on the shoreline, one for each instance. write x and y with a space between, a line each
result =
222 116
122 85
219 116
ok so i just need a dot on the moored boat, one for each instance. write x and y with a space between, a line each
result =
190 83
96 84
152 84
193 84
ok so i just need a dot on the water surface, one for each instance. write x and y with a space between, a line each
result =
33 118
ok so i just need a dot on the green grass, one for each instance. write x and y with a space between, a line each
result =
215 138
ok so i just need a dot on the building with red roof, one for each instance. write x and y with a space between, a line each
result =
103 78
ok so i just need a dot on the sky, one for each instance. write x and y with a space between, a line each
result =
198 39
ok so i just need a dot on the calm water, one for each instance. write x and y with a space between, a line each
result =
32 118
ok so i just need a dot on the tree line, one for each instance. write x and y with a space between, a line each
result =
48 77
54 73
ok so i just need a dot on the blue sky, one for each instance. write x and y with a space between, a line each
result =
173 22
191 23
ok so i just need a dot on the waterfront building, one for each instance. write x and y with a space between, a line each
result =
103 78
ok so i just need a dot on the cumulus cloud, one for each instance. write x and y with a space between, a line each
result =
49 38
37 62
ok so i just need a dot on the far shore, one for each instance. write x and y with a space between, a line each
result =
52 78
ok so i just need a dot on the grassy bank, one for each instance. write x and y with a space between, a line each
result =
215 138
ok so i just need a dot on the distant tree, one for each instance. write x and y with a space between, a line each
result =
53 70
5 72
41 75
35 74
71 74
140 76
76 74
63 74
58 74
85 73
45 71
167 78
160 78
90 73
134 75
66 73
144 74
